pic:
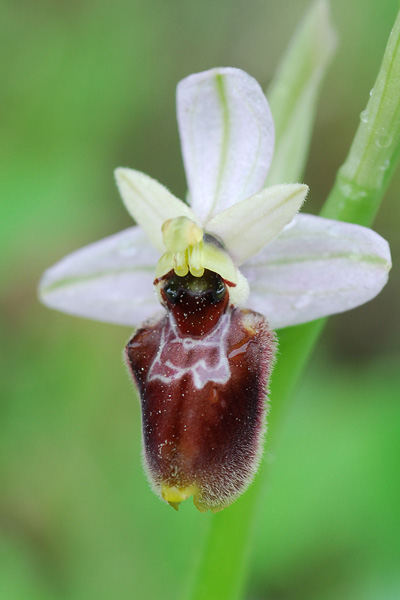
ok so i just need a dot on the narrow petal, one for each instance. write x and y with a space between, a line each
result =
316 267
227 138
110 280
149 203
248 226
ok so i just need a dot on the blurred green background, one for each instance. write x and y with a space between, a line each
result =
85 87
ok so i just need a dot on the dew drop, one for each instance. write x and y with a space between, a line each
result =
303 301
385 165
382 138
352 192
358 194
364 116
346 189
127 250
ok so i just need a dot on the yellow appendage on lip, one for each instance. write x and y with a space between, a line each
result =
174 495
187 251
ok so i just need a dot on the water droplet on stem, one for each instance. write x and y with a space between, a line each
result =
382 138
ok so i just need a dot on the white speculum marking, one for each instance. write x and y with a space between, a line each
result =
204 358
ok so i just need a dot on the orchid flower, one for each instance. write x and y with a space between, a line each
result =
202 365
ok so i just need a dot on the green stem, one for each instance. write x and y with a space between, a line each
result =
363 178
226 550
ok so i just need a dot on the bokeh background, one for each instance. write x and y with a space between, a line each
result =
87 86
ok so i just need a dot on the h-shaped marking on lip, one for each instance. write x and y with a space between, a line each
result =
164 369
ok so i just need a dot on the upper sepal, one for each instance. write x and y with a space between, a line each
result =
227 138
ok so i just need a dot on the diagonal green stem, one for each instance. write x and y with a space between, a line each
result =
356 196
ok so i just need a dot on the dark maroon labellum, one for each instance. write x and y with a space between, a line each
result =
202 372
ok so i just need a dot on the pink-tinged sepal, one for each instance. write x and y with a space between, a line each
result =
203 396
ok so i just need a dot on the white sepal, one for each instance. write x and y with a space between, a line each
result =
110 280
316 267
149 203
249 225
227 138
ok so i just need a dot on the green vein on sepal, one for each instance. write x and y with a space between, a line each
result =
366 258
221 91
70 281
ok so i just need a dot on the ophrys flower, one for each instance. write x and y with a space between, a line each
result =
202 368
